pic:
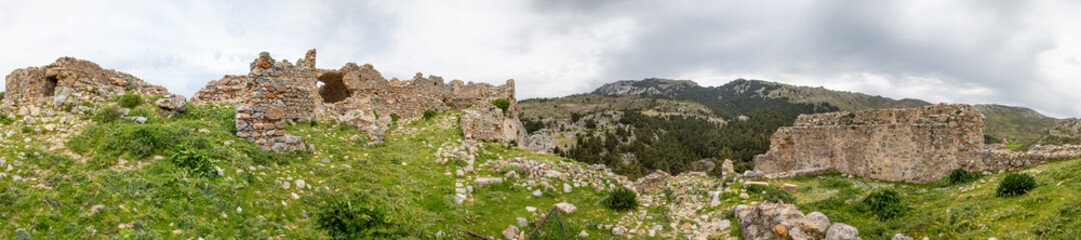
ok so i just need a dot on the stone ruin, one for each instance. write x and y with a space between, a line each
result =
69 82
277 92
917 145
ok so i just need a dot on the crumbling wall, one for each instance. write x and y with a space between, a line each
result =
69 81
913 145
358 95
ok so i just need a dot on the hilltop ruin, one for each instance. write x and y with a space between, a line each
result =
918 145
69 81
277 92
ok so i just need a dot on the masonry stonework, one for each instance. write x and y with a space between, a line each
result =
354 95
69 81
918 145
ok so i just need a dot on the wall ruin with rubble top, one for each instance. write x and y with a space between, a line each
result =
918 145
914 145
356 95
69 81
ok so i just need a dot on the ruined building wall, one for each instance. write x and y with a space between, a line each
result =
69 81
913 145
358 96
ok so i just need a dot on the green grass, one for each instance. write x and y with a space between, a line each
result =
941 211
115 165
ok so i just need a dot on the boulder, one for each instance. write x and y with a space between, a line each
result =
485 181
841 231
511 232
566 208
901 237
173 103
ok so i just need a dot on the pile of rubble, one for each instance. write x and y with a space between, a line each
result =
785 221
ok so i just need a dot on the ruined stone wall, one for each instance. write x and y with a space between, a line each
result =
358 96
913 145
69 81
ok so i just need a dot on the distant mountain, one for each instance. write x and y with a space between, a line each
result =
645 86
1018 125
678 125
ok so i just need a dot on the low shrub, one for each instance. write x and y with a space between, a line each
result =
353 219
772 193
107 113
193 161
960 176
886 204
502 104
429 114
621 199
130 100
394 118
1015 184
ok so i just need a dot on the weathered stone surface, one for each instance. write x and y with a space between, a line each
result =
652 183
275 92
781 221
174 103
918 145
914 145
841 231
485 181
69 81
566 207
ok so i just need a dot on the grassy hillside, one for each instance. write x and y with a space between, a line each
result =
190 177
944 210
1017 125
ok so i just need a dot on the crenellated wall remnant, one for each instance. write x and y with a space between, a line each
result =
69 81
918 145
276 92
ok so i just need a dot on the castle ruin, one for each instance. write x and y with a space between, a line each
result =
277 92
69 81
917 145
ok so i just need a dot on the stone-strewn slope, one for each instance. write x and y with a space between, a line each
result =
70 81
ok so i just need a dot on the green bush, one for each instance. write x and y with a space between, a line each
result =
960 176
1015 184
394 118
353 219
772 193
502 104
621 199
107 113
193 161
886 204
429 114
130 100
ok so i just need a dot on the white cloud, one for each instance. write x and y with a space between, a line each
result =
1021 53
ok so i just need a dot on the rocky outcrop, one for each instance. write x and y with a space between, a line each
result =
914 145
69 81
785 221
358 96
645 86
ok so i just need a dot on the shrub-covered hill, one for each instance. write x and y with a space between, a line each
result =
107 176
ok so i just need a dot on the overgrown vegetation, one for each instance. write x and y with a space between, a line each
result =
354 217
501 103
130 100
620 200
1015 184
429 114
960 176
772 193
195 162
886 204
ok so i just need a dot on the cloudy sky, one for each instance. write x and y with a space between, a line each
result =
1024 53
